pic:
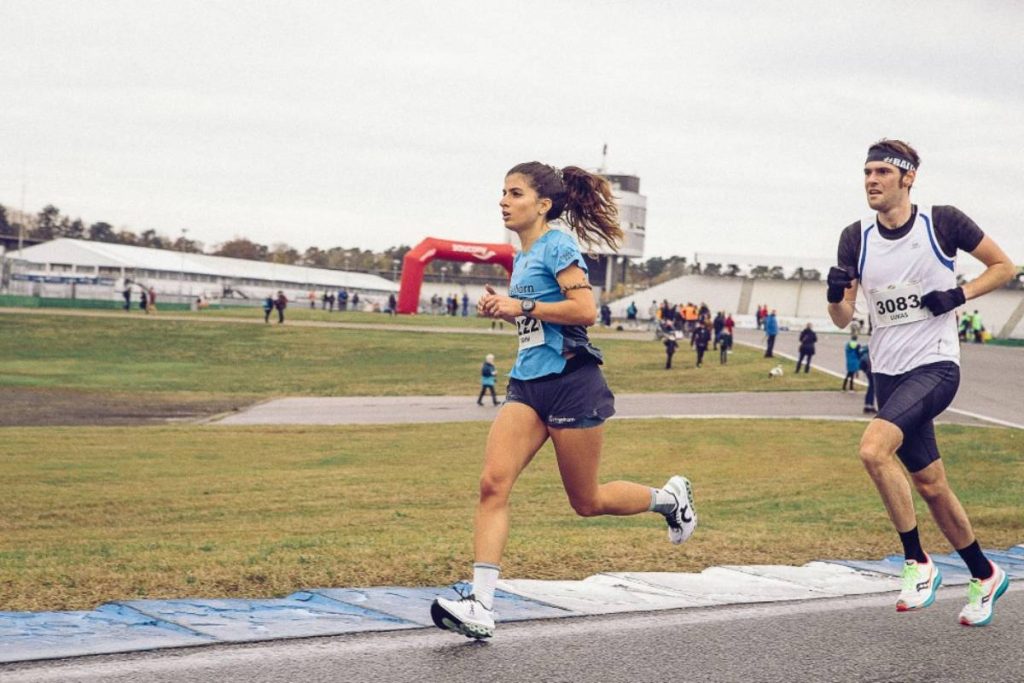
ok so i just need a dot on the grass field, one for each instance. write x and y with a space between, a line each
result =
92 514
98 513
136 354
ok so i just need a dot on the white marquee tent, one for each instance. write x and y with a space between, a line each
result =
99 270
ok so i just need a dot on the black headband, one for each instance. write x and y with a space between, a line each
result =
890 157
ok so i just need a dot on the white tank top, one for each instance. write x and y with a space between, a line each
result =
893 276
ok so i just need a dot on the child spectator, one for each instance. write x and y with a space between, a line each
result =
488 376
852 350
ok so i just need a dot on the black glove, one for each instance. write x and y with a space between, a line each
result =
939 302
838 280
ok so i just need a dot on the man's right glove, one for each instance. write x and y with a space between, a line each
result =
943 301
839 279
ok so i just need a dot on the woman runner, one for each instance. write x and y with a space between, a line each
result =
556 389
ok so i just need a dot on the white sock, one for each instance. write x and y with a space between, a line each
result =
663 501
485 576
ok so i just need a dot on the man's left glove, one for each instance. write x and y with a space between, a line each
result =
939 302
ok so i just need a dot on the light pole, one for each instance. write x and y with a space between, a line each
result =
181 271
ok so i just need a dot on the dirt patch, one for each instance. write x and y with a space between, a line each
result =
34 407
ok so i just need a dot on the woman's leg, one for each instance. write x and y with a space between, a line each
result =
516 435
579 456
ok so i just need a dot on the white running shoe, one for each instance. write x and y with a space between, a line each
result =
982 596
920 581
683 519
467 616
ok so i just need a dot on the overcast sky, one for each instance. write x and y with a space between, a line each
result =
374 124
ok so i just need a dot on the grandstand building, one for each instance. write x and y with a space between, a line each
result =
81 269
607 266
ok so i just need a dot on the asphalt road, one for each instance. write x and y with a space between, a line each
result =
850 639
991 377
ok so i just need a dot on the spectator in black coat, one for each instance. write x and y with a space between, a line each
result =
807 341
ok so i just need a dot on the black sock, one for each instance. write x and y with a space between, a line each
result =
976 561
912 546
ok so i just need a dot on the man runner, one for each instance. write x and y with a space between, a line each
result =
903 256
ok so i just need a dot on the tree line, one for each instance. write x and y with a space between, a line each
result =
50 223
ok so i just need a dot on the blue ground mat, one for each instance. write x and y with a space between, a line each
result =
109 628
302 614
954 572
413 604
154 624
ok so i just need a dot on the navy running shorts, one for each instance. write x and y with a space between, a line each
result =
911 401
576 398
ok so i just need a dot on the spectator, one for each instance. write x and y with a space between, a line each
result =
964 325
670 348
392 303
865 366
852 351
771 329
127 294
268 306
724 345
151 305
312 300
717 325
700 340
606 315
728 326
977 328
465 305
654 312
488 376
355 301
280 303
807 341
144 300
631 311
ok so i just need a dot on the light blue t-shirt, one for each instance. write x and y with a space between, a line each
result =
534 276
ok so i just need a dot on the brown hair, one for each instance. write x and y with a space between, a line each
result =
583 199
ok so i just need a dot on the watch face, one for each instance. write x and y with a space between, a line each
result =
528 305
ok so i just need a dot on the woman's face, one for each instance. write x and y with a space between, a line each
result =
521 207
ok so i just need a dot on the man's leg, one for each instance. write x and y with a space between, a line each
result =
945 507
878 454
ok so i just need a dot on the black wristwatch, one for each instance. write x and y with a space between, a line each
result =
528 306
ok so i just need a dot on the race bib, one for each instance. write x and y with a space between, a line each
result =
898 305
531 332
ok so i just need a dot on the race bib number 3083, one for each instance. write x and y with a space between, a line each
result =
531 332
898 305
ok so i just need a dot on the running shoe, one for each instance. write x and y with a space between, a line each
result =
920 581
467 616
982 596
683 519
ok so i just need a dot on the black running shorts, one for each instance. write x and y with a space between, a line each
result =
576 398
911 401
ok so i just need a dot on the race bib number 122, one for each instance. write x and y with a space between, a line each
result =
531 332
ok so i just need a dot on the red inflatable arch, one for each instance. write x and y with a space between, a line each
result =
431 248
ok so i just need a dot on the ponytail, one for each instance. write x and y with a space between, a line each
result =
582 199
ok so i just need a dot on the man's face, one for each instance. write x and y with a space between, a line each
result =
884 185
